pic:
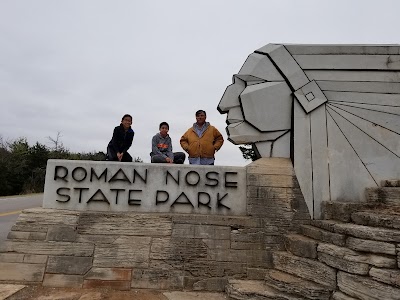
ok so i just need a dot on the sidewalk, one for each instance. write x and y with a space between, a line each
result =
21 292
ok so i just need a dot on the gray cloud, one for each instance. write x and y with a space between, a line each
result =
78 66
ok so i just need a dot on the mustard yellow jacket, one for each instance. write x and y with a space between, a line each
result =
204 146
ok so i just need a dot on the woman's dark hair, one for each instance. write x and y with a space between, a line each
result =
126 116
163 123
200 112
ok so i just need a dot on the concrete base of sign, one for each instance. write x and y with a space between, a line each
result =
174 251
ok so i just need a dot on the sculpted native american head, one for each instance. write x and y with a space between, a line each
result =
333 109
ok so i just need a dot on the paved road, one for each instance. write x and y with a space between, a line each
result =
10 207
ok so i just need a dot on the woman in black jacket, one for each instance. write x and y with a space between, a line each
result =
117 149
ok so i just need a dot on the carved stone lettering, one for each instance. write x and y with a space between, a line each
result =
102 197
168 174
59 192
203 195
219 200
158 196
79 174
212 181
192 178
142 178
58 170
80 193
230 183
93 173
182 199
116 194
133 201
119 176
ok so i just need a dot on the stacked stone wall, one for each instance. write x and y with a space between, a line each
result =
124 250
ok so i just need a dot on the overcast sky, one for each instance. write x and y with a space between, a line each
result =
76 67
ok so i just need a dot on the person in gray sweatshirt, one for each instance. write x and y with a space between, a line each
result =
161 148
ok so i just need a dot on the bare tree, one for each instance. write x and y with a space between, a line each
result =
58 145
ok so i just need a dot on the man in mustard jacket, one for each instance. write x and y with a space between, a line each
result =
201 141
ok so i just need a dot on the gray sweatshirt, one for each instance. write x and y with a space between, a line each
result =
161 146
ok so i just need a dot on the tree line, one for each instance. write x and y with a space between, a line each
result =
23 167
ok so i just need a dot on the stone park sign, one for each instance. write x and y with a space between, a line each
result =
96 186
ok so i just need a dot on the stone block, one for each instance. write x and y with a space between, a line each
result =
212 232
62 281
256 273
390 182
353 258
282 181
295 285
344 265
62 233
368 233
300 245
115 285
305 268
388 276
21 272
39 219
35 259
69 265
136 224
342 211
166 264
124 252
24 235
118 274
271 208
11 257
265 192
271 166
370 246
323 235
211 268
340 296
205 268
253 289
96 239
232 221
7 290
178 249
217 244
210 284
377 219
398 255
157 279
362 287
328 225
248 238
386 195
247 246
49 248
254 258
